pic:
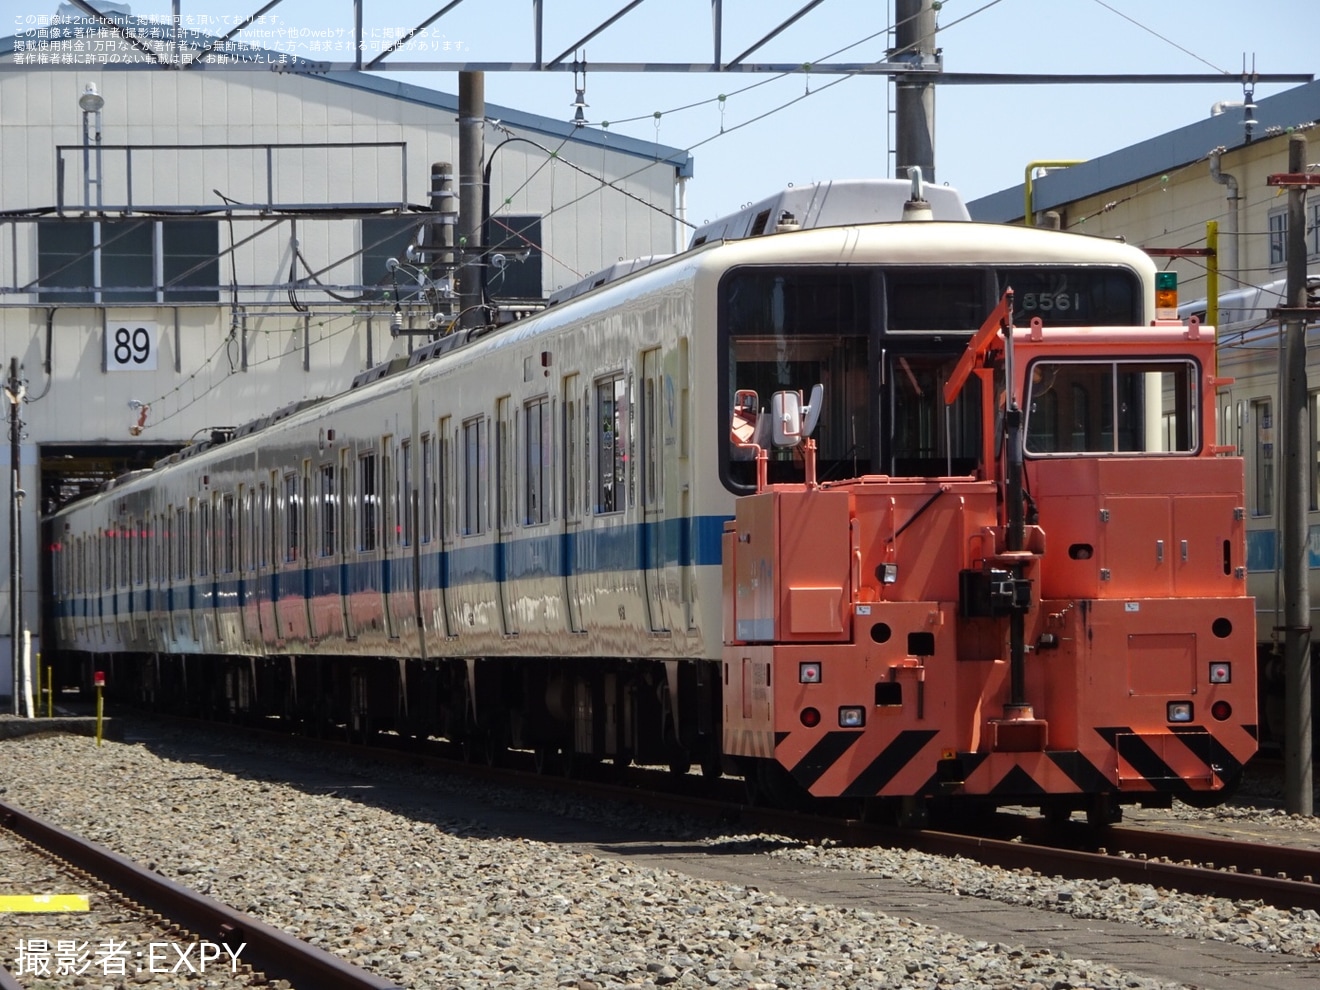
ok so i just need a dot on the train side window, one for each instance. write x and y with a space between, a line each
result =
291 517
229 538
611 444
180 539
203 538
650 429
443 476
539 460
140 572
570 408
367 503
1262 416
505 492
474 477
261 524
428 489
329 508
403 499
244 524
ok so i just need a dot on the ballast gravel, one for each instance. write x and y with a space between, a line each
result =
437 901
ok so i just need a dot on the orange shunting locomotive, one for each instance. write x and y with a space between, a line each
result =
1067 626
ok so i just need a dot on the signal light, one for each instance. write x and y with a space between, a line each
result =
852 717
1180 711
809 672
1221 710
1221 673
810 717
1166 295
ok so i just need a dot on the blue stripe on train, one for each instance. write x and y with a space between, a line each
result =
602 549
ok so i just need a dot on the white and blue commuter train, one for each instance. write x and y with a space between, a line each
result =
1249 355
512 538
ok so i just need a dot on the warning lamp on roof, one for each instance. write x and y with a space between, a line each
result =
1166 295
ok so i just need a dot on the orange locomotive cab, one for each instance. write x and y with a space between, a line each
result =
1066 627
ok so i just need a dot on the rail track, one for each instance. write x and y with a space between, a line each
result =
273 954
1277 875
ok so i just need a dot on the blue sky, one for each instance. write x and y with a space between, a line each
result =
985 135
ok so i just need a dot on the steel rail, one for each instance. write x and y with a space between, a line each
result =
275 953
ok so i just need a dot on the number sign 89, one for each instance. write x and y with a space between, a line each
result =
130 346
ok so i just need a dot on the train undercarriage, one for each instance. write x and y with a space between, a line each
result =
569 715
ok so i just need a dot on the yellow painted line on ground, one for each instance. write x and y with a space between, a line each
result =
42 903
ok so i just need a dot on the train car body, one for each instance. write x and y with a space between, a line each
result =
1248 410
514 538
891 637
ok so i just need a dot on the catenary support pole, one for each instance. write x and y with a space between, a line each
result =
471 151
914 95
1298 794
14 392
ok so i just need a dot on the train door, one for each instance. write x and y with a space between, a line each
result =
505 497
574 427
345 544
654 542
389 502
247 606
446 441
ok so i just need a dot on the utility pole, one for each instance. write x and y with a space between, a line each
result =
914 103
1295 552
471 151
14 391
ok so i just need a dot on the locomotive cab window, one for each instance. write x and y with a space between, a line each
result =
1112 407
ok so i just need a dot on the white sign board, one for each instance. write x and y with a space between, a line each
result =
130 345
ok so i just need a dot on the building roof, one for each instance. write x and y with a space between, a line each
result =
249 58
1274 114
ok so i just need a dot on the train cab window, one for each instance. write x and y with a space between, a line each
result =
613 435
538 461
1112 407
368 503
925 437
474 477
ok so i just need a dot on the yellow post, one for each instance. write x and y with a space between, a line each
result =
1028 206
1212 273
50 691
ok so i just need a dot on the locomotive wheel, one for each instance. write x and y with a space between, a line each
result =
1103 811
